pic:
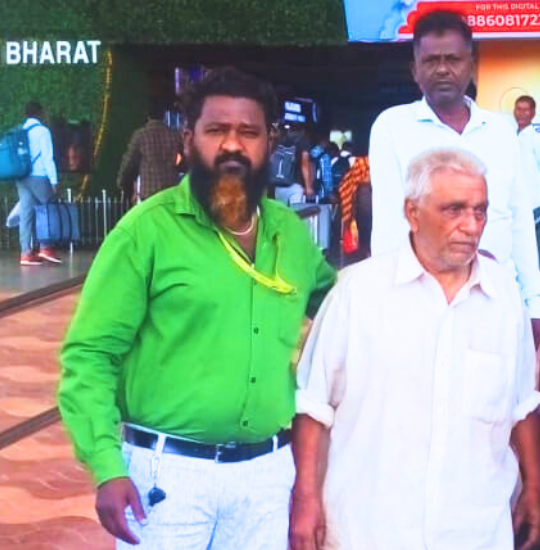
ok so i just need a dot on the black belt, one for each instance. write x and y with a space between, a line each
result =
226 452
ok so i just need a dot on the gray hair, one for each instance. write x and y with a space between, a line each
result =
423 167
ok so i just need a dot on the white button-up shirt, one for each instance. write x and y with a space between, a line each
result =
421 397
400 133
529 144
41 149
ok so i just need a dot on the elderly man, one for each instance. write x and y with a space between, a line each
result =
443 67
421 364
185 331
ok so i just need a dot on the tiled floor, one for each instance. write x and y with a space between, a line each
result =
29 343
16 279
46 499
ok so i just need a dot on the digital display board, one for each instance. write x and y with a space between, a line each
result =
393 20
300 110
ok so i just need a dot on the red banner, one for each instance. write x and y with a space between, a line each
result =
487 19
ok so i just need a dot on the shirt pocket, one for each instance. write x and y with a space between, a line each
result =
486 386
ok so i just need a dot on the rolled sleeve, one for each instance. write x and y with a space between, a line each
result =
321 412
526 406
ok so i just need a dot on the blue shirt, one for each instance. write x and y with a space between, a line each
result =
41 149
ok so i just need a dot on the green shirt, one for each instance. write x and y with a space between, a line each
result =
171 334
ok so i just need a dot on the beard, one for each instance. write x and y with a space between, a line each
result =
228 194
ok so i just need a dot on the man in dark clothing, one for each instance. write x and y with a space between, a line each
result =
152 154
303 184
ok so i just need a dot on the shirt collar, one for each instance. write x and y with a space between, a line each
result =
408 266
425 113
410 269
480 276
187 204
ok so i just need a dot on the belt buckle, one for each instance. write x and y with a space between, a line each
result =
221 448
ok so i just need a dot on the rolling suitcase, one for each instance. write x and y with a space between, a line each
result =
57 222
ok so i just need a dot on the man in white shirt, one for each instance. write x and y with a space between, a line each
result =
529 144
37 188
443 67
422 366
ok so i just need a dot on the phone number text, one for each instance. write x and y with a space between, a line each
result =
510 20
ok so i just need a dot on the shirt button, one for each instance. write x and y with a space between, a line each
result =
253 380
245 423
256 330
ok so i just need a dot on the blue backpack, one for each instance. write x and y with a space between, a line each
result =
15 160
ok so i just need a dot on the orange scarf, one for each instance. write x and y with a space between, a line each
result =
356 176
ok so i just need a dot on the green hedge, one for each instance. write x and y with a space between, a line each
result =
262 22
71 92
127 111
76 92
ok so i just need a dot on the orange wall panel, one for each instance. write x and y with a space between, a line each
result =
506 70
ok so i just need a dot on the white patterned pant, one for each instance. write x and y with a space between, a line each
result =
213 506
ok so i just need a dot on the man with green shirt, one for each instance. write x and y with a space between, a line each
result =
184 335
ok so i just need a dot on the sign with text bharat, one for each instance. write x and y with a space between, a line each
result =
32 52
393 20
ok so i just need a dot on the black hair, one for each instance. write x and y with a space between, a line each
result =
320 133
33 109
528 99
440 21
157 108
347 146
230 82
333 149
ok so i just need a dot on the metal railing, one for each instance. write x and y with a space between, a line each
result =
97 216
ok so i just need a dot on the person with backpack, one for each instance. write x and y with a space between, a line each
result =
322 166
39 187
342 164
290 168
